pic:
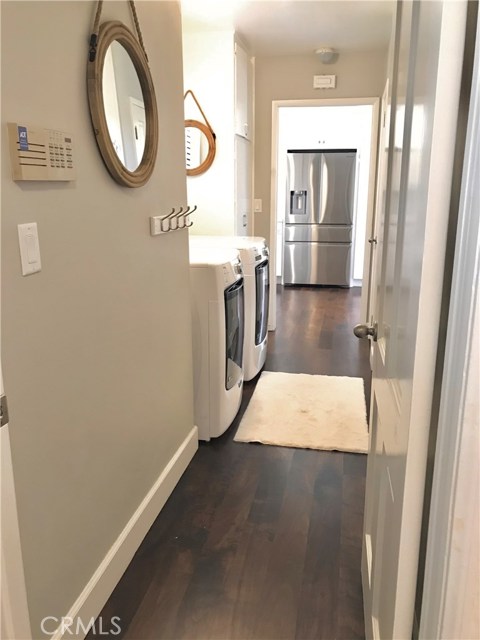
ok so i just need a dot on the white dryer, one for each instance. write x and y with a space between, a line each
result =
254 255
217 290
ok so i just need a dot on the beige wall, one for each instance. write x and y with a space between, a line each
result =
291 78
96 348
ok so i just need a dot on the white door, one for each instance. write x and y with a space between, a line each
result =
378 217
243 186
425 76
242 93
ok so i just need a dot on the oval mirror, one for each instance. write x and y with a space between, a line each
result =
123 107
200 147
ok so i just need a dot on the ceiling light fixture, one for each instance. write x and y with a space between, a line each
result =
326 54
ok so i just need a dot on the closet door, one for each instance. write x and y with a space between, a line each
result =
242 93
243 186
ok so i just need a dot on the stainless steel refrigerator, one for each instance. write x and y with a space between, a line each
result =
318 229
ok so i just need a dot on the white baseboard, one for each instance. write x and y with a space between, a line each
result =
100 586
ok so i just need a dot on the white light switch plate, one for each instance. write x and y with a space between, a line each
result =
257 205
29 248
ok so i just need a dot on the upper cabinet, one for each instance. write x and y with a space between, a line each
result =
243 92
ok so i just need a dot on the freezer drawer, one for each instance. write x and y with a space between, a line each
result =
317 263
317 233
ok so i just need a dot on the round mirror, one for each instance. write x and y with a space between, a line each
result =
200 147
122 105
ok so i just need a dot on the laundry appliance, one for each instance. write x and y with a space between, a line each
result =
318 227
217 292
254 255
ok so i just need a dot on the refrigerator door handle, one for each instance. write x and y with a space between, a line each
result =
324 187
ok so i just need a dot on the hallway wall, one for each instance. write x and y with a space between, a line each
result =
97 346
291 78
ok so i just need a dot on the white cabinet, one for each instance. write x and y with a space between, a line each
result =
243 185
243 79
243 141
220 73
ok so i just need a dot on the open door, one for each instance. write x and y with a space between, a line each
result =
425 71
380 194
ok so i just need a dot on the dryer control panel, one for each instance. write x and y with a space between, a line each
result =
232 271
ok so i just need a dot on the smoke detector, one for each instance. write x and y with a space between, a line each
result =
326 54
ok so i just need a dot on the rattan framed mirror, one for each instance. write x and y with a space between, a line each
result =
125 125
207 156
200 142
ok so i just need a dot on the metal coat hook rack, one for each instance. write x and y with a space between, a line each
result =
172 221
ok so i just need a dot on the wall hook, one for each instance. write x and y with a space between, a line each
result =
188 222
172 221
165 223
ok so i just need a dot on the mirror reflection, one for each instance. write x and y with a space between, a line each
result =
124 106
196 147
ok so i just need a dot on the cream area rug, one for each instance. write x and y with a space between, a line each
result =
306 411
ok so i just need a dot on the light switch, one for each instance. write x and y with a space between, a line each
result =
257 205
32 248
29 248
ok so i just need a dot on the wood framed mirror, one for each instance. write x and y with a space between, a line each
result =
123 107
200 147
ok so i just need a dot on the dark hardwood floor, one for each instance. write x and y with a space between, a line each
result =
259 542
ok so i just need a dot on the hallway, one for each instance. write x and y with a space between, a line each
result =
259 542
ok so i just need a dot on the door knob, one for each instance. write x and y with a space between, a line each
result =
372 240
366 331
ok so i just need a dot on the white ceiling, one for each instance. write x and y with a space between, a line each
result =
290 27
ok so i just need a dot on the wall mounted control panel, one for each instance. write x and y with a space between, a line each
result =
40 154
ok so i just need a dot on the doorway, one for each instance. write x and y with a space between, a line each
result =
322 124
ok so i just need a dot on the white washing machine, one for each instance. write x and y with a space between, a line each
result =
217 290
254 255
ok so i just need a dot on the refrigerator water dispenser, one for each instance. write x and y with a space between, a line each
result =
298 203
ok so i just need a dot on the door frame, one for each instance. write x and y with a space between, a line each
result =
325 102
448 566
